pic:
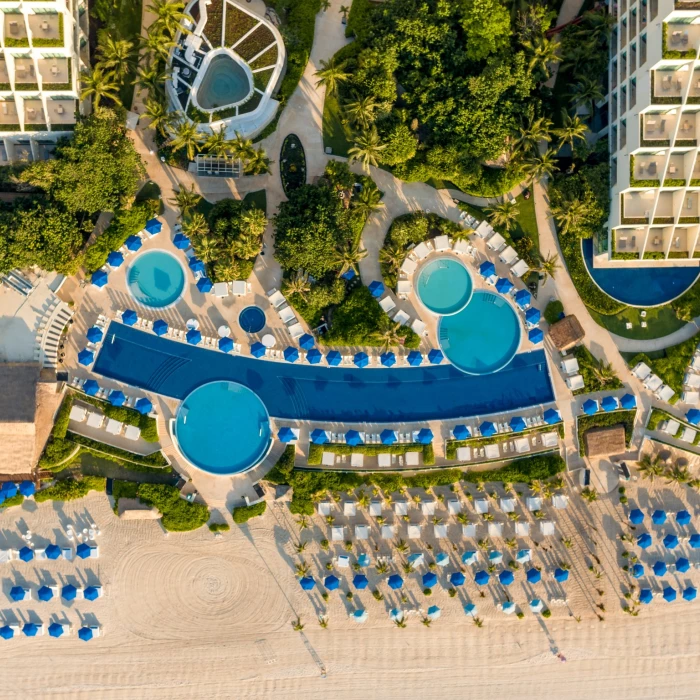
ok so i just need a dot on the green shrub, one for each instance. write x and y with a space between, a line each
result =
428 454
55 452
527 470
282 471
71 489
602 420
316 451
124 489
179 515
292 164
553 311
124 414
359 20
546 613
128 459
219 527
17 500
60 427
244 513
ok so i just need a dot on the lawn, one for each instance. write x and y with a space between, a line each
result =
337 136
660 322
257 198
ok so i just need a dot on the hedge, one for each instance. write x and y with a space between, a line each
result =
60 427
179 515
316 451
16 500
155 459
219 527
244 513
525 471
603 420
71 489
359 18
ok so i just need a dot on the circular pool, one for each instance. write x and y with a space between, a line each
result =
483 337
223 428
444 286
156 279
252 319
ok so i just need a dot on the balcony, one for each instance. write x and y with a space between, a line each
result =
675 173
55 73
681 240
628 243
690 208
9 119
34 116
658 241
4 76
688 129
668 86
682 40
47 29
646 169
15 31
25 74
637 206
665 210
60 112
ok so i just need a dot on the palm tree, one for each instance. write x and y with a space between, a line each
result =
382 568
389 337
303 522
348 259
569 215
217 144
548 266
542 52
186 200
678 474
603 372
531 133
246 247
325 4
116 55
596 26
301 547
361 112
242 148
651 466
541 166
170 16
426 621
258 163
157 45
392 256
344 9
188 137
299 284
514 516
152 79
99 85
297 626
572 128
302 569
367 148
331 75
254 221
369 200
504 214
400 622
401 546
586 93
589 495
208 248
323 621
363 500
159 116
195 226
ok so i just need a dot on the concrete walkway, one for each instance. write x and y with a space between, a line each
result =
633 345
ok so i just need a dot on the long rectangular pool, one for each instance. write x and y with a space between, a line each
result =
320 393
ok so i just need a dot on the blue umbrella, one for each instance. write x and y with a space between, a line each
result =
361 359
506 577
360 581
693 416
307 583
115 259
331 582
425 436
194 337
181 241
91 387
637 571
670 541
376 288
590 407
258 350
291 354
395 582
469 557
133 243
659 568
535 335
129 317
9 489
319 437
286 434
388 437
83 550
429 579
69 592
53 551
461 432
457 578
551 416
644 541
609 403
85 634
682 565
533 575
415 359
117 398
690 593
86 357
487 268
504 285
153 226
27 488
26 554
628 401
204 284
160 327
517 423
333 358
636 517
645 596
17 593
226 344
487 429
55 629
470 609
44 593
352 437
91 593
94 334
30 629
99 278
481 578
388 359
533 315
197 265
670 594
561 575
314 356
523 298
435 356
348 274
143 406
306 342
694 542
658 517
683 517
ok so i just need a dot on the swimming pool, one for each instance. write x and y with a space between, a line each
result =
444 286
156 279
225 82
483 337
223 428
252 319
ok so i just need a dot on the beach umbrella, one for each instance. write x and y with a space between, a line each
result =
334 358
94 334
683 517
658 517
291 354
682 565
503 285
435 356
286 434
27 488
53 551
551 416
9 489
194 337
99 278
533 575
461 432
129 317
694 541
18 593
590 407
470 609
523 298
55 629
609 403
506 577
535 335
91 387
536 605
197 265
636 517
314 356
693 416
670 594
495 557
481 578
226 344
363 560
523 556
644 541
153 226
637 571
646 596
181 241
376 288
508 607
69 592
352 437
348 275
204 284
6 632
30 629
85 633
143 406
360 581
331 582
415 559
26 554
533 315
628 401
395 582
659 568
92 593
670 541
44 593
469 557
361 359
561 575
83 550
306 342
442 559
116 397
690 593
487 429
307 583
160 327
258 350
396 614
388 359
487 268
360 616
433 612
319 437
115 259
425 436
414 358
388 437
133 243
429 579
517 423
457 578
86 357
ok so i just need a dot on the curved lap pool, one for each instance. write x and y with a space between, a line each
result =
444 286
156 279
252 319
223 428
483 337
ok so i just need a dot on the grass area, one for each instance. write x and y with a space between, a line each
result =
258 198
660 322
336 135
526 225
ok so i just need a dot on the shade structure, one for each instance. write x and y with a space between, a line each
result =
523 298
693 416
363 559
334 358
461 432
609 403
517 423
86 357
160 327
429 579
683 517
85 633
9 489
508 607
536 605
69 592
416 559
533 315
226 344
204 284
388 437
361 359
637 571
535 335
129 317
258 350
314 356
291 354
628 401
670 594
551 416
6 632
682 565
435 356
18 593
561 575
470 609
658 517
644 541
197 265
306 341
27 488
360 581
506 578
645 596
319 437
153 226
694 541
495 557
348 275
590 407
503 285
91 387
331 582
395 582
414 358
636 517
94 334
533 576
523 556
44 593
376 288
115 259
487 429
425 436
53 551
117 398
360 616
307 582
469 557
352 437
83 550
433 612
487 269
388 359
26 554
670 541
286 434
133 243
91 593
181 241
99 278
30 629
690 593
659 568
481 578
55 629
457 578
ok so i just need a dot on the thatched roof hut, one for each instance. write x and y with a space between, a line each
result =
566 334
604 442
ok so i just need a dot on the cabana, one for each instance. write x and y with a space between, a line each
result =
361 532
520 268
337 533
508 255
375 508
454 506
350 508
496 242
414 532
481 506
388 532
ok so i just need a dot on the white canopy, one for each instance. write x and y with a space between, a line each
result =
522 445
508 255
427 507
421 250
550 439
337 534
461 246
496 242
95 420
508 504
239 288
665 393
442 243
483 230
325 508
401 507
349 508
547 527
575 382
387 304
412 459
522 529
653 383
296 330
533 503
384 459
481 506
132 432
520 268
287 314
560 501
375 508
77 413
695 364
357 459
692 380
688 435
114 427
418 327
328 459
387 532
401 317
570 366
492 451
641 371
454 506
672 427
276 297
343 559
495 529
361 532
469 530
440 531
692 398
464 453
409 266
221 289
403 287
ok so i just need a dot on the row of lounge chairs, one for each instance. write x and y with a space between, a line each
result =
652 382
285 312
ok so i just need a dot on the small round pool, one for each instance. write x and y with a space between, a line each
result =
252 319
223 428
156 279
224 83
444 286
483 337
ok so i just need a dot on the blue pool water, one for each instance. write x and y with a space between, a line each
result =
640 286
252 319
156 279
308 392
444 286
224 83
483 337
223 428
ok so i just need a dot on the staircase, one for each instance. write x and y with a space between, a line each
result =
49 332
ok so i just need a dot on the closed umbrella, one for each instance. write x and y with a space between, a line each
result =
160 327
388 359
388 437
435 356
314 356
306 342
91 387
94 334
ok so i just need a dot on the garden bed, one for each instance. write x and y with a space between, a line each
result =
269 58
238 24
250 105
214 26
252 45
593 374
292 164
261 79
316 451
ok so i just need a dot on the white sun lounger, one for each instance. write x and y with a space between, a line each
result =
520 268
387 304
409 266
401 317
276 298
508 255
